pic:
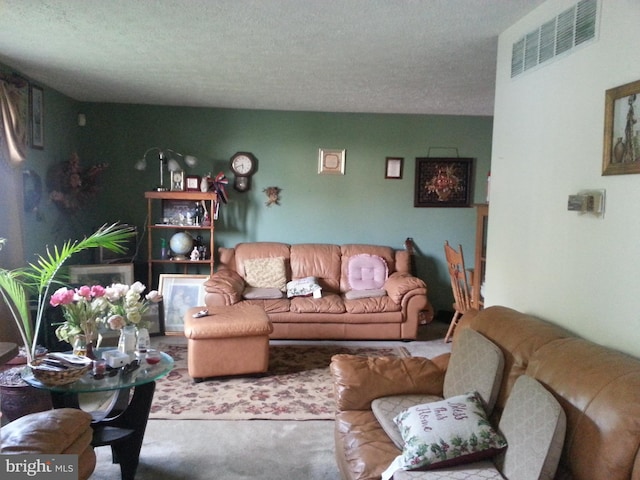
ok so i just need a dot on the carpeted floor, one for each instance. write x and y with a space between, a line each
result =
249 449
297 386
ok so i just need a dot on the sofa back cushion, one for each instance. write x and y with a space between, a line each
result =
597 387
321 261
476 364
254 250
534 425
518 336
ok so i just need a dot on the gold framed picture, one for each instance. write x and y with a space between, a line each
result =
621 139
331 161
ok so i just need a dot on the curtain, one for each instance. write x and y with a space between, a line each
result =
13 149
13 135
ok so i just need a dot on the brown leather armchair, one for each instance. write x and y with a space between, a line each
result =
60 431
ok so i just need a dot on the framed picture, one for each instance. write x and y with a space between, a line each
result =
36 96
331 162
103 275
192 183
621 140
153 317
443 182
393 167
179 292
177 181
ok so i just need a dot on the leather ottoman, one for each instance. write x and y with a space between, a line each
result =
231 340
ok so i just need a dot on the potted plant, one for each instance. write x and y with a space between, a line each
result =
37 278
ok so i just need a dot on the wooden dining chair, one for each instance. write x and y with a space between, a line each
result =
459 285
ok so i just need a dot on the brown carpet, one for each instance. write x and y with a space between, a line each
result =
297 387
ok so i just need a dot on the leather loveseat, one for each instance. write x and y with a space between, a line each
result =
342 311
62 431
597 387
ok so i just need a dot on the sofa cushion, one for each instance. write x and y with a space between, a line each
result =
534 425
358 294
265 273
449 432
329 303
322 261
476 364
387 408
254 293
367 272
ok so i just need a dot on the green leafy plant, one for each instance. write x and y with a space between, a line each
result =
37 278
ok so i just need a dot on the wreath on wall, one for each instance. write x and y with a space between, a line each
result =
72 186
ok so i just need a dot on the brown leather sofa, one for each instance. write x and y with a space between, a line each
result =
60 431
597 387
392 316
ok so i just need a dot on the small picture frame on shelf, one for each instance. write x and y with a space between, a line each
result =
192 183
179 293
177 181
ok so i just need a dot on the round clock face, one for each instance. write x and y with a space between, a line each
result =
242 164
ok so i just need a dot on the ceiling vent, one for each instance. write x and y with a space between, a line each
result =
572 28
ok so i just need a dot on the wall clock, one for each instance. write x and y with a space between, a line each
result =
243 165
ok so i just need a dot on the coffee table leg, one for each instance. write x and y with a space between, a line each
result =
126 452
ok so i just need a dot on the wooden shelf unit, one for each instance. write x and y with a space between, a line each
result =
480 262
156 229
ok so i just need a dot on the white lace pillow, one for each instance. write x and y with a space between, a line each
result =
304 287
265 273
445 433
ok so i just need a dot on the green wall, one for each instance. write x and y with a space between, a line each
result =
359 207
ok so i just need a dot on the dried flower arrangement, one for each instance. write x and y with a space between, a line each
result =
71 185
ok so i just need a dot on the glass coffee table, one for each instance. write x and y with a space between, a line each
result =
119 416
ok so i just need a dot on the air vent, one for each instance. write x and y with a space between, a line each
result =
573 27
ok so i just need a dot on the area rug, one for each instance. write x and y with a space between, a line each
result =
297 386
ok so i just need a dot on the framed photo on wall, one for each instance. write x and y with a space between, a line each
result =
393 167
36 108
621 142
443 182
103 275
179 293
331 162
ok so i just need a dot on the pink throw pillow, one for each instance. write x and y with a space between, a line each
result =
367 272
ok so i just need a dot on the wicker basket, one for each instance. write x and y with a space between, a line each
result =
54 378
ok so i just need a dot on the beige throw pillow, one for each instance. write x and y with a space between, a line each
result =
265 273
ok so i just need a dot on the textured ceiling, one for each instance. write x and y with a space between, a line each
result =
384 56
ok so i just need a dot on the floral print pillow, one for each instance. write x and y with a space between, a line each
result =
445 433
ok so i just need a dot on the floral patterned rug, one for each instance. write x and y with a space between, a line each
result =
297 387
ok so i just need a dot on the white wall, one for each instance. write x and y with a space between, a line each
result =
574 270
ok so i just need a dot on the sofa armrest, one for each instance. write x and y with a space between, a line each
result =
357 381
399 284
224 287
